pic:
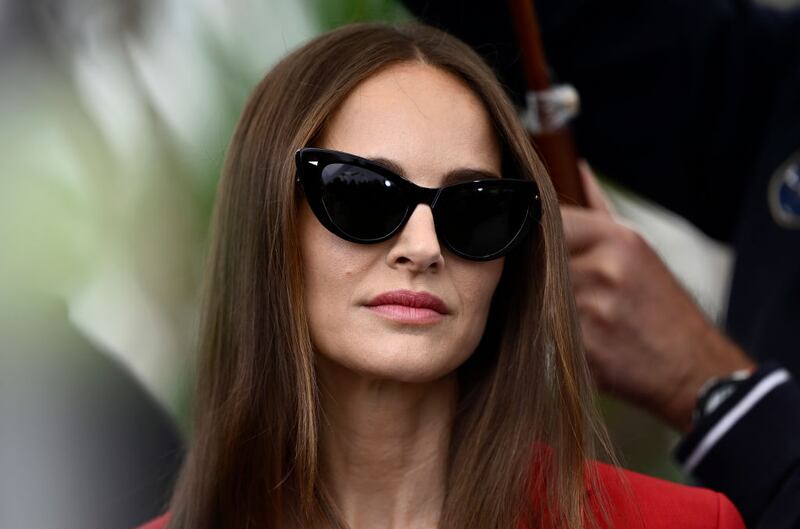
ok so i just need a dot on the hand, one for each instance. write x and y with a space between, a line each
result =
646 340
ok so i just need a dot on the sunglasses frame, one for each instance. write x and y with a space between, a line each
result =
417 195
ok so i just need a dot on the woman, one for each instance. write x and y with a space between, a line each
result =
377 354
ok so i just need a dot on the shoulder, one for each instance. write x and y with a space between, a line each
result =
638 501
158 523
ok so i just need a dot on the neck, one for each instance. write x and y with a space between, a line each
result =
384 447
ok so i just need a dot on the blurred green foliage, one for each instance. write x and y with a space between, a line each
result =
334 14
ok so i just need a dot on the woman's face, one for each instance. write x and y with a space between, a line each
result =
426 123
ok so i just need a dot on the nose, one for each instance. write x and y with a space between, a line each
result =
416 247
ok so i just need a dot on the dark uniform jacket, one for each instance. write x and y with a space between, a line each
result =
696 105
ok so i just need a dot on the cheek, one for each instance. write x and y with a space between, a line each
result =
327 260
326 269
332 270
477 283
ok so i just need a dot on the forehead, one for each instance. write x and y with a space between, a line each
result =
425 119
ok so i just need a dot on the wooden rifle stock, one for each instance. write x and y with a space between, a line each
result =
554 144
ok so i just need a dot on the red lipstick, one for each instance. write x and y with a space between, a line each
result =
406 306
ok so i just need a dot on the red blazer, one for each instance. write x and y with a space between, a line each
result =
655 504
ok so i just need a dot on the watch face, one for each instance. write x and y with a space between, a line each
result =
716 391
716 396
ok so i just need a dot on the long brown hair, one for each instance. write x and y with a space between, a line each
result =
525 392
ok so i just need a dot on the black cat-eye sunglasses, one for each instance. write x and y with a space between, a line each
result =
364 202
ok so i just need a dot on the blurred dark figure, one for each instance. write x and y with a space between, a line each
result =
82 445
697 106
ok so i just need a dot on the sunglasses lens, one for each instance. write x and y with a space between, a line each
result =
361 203
482 220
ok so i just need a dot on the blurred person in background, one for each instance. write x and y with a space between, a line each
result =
388 336
83 444
697 106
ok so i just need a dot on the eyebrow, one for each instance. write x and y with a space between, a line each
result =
456 176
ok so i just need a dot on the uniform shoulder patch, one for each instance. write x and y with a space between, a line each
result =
783 193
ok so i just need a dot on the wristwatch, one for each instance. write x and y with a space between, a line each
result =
715 391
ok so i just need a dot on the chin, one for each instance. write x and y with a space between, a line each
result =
400 363
408 374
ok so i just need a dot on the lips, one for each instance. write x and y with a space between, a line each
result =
406 306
